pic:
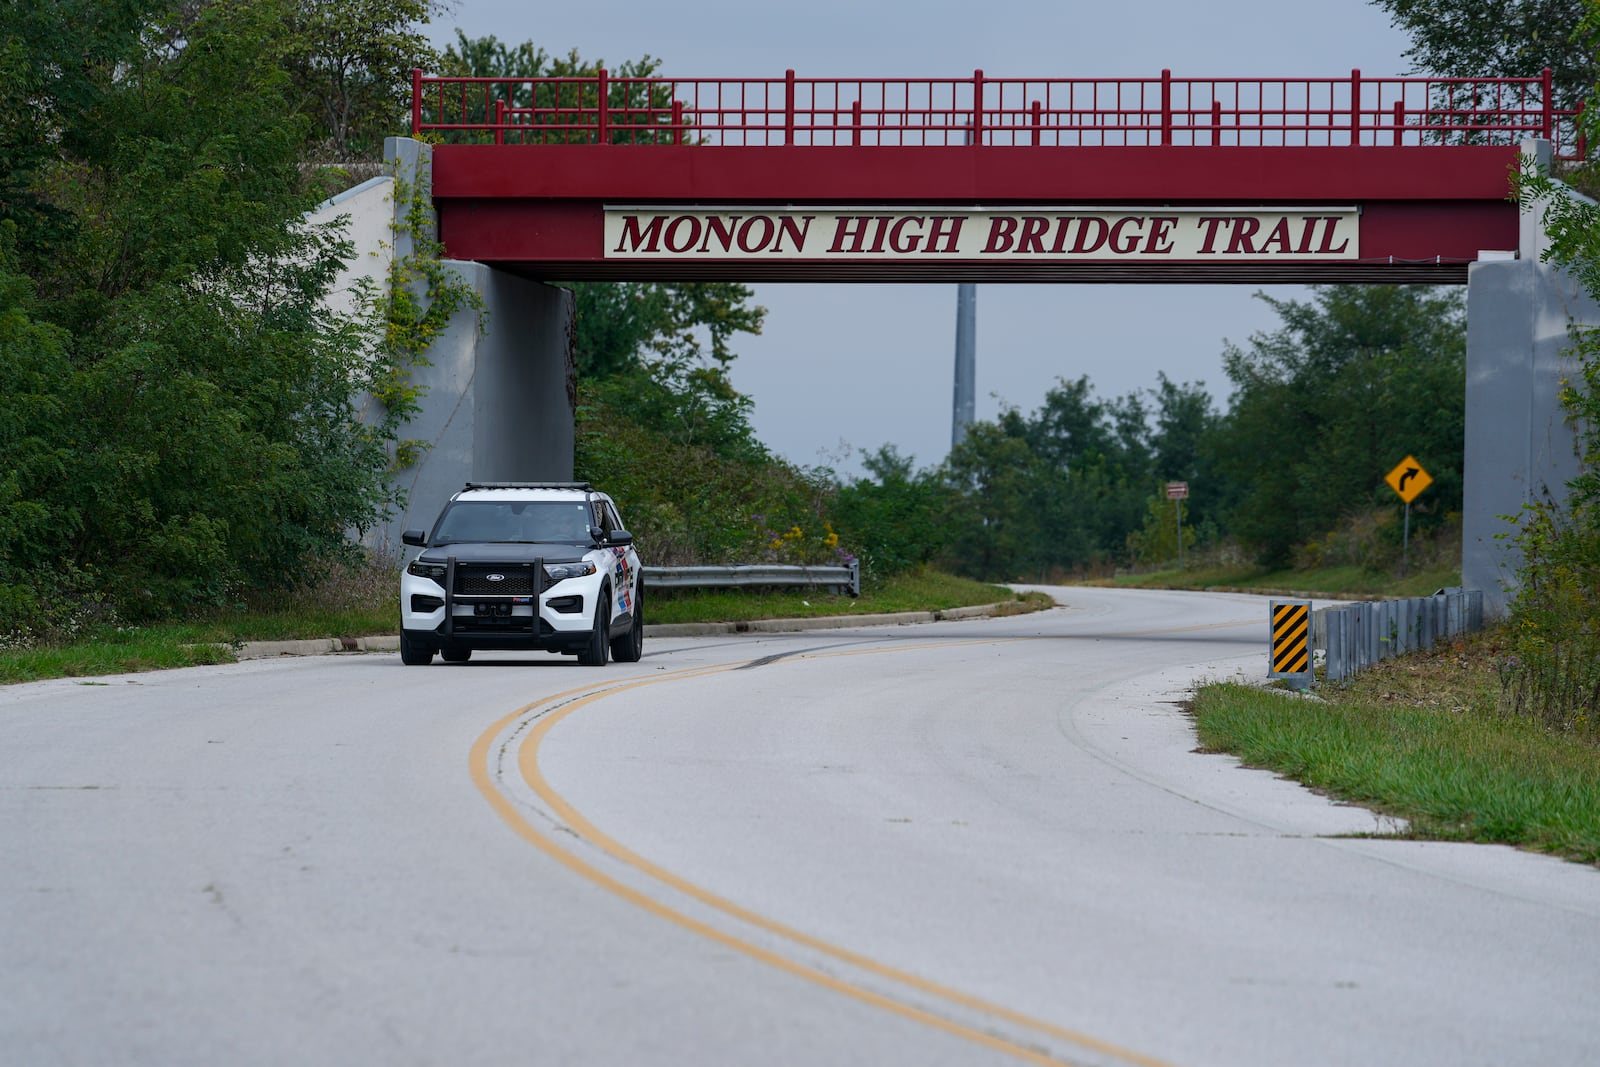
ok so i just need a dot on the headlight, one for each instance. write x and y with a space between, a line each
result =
436 571
557 571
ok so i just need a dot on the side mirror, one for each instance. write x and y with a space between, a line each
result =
418 538
621 537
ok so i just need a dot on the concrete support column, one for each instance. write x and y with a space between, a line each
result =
498 403
498 388
1519 444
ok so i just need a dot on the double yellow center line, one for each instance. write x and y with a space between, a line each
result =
521 733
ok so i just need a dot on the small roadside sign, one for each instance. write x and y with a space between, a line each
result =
1291 642
1176 492
1408 479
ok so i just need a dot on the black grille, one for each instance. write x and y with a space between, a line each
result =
477 624
472 579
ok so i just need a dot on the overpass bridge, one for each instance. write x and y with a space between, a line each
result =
1258 180
1161 179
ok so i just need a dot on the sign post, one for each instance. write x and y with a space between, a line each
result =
1176 492
1408 480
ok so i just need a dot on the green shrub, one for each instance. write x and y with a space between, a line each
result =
893 523
693 503
1552 671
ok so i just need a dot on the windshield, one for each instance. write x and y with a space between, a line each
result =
565 521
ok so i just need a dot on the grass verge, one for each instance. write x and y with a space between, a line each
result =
919 591
1345 582
344 600
1422 738
113 653
129 649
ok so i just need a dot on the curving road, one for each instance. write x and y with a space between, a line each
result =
963 843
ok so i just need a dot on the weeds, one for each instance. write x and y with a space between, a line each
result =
1371 541
338 599
1552 670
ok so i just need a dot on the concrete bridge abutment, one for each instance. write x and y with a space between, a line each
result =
497 390
1520 445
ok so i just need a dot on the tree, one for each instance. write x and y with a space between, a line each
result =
892 519
1157 541
188 416
623 326
1184 417
35 439
53 61
489 57
559 112
176 164
1502 39
351 62
1070 428
661 348
996 527
1101 451
1057 489
1183 449
1324 406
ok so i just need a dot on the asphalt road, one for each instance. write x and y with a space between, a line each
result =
963 843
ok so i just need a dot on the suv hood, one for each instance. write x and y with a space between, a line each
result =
505 552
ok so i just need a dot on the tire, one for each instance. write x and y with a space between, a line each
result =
630 646
415 653
455 655
594 653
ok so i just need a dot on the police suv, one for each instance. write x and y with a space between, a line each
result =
523 565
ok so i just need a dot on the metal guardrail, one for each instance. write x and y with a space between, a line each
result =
841 579
1355 636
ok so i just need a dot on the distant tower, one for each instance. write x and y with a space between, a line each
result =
964 402
966 361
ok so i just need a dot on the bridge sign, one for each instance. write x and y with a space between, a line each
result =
1060 233
1408 479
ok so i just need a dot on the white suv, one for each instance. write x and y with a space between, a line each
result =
521 565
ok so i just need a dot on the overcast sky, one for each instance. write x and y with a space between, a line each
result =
851 367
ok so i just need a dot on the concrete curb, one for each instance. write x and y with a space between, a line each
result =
324 646
825 622
321 646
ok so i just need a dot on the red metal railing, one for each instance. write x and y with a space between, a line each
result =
995 111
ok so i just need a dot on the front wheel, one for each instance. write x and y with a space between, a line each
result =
415 653
594 653
630 646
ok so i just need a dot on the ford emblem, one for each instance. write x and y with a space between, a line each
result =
495 577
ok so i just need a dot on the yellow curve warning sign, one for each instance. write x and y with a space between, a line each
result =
1408 479
1291 638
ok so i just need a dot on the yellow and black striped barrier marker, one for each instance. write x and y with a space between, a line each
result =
1291 640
